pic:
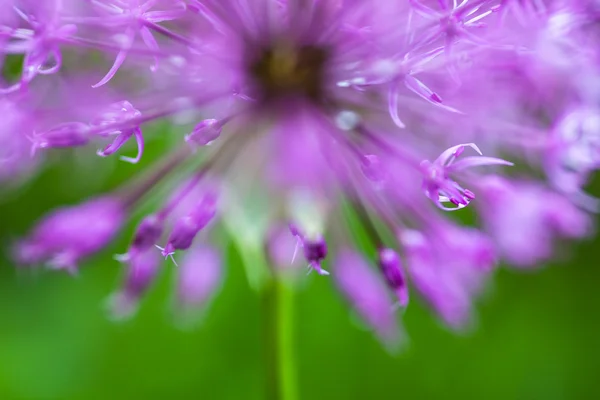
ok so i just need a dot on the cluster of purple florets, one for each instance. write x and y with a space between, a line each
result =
295 113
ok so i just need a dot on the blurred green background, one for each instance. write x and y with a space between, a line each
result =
536 337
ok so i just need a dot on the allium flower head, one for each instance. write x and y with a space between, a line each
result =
317 115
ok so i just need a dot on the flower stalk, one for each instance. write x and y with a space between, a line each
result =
277 302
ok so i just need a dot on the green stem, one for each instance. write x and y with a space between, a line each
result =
278 335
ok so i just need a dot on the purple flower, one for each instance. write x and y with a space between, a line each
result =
390 266
70 134
68 235
526 219
367 294
135 17
575 153
141 272
439 186
323 113
452 22
39 43
116 121
205 132
146 236
282 250
315 250
198 278
187 227
449 267
524 11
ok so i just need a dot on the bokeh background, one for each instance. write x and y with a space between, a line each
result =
537 335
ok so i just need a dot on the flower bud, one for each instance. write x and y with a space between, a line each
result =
69 134
526 219
390 265
449 266
187 227
373 169
142 269
205 132
282 250
69 234
147 233
199 276
367 294
315 251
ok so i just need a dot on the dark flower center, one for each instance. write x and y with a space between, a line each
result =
282 71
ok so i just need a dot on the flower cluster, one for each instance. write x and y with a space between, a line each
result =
311 114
